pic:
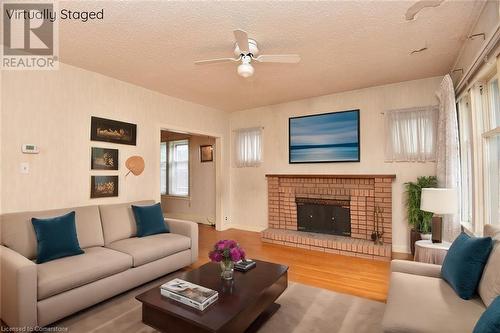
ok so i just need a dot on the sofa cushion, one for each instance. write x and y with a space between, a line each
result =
489 287
63 274
149 220
17 232
492 231
490 319
151 248
118 221
464 263
426 304
56 237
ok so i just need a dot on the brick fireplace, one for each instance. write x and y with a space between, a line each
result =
367 197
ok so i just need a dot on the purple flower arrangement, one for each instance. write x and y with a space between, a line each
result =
226 251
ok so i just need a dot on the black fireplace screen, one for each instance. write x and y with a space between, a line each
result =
326 216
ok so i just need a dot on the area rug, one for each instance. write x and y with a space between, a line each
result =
303 309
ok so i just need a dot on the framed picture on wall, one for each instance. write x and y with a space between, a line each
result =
324 138
103 186
114 131
104 159
206 153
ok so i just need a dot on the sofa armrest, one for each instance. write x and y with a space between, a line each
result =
188 229
18 291
416 268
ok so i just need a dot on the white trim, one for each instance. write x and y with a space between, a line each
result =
179 197
190 217
490 46
477 110
401 249
218 158
245 227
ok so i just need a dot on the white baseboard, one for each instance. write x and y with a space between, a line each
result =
400 249
244 227
190 217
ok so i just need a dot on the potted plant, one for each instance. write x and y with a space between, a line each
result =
419 221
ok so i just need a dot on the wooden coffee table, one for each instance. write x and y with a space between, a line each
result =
244 303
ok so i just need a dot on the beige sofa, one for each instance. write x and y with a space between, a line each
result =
114 261
420 301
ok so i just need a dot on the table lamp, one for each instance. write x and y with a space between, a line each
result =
440 201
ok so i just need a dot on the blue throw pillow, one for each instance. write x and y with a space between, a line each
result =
489 322
149 220
56 237
463 265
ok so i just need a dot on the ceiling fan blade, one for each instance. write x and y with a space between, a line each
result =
215 61
242 40
282 58
419 5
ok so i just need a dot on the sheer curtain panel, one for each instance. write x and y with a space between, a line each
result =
448 156
248 144
411 134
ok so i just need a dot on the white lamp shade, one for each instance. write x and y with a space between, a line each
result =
439 200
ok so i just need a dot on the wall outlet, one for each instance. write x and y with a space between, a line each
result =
24 168
226 218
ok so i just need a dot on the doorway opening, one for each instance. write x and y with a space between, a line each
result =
188 176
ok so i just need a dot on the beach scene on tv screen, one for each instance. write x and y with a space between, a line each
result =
331 137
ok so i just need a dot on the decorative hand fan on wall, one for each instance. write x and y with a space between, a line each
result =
135 164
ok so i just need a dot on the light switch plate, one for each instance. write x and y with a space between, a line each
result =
25 168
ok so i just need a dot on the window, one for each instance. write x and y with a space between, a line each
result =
492 193
479 133
174 168
492 153
248 146
494 102
411 134
466 174
163 168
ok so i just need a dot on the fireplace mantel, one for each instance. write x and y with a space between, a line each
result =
350 176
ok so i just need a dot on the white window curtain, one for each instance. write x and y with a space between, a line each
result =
448 157
248 147
411 134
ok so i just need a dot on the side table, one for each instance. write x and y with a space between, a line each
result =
431 253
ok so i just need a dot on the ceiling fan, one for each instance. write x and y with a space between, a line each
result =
246 50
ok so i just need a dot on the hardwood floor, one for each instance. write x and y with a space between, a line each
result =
356 276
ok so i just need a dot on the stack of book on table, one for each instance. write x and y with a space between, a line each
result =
244 265
189 293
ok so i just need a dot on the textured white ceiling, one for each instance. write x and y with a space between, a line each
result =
344 45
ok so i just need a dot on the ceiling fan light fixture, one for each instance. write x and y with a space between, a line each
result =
245 70
246 51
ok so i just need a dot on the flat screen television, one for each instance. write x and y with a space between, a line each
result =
324 138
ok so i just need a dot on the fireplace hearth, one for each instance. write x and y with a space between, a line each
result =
331 213
324 216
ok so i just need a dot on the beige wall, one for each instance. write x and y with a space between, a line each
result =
248 185
53 108
200 206
1 156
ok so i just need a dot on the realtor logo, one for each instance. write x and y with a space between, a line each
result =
29 36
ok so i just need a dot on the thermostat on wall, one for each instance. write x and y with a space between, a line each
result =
30 149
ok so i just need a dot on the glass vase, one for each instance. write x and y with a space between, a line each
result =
227 268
